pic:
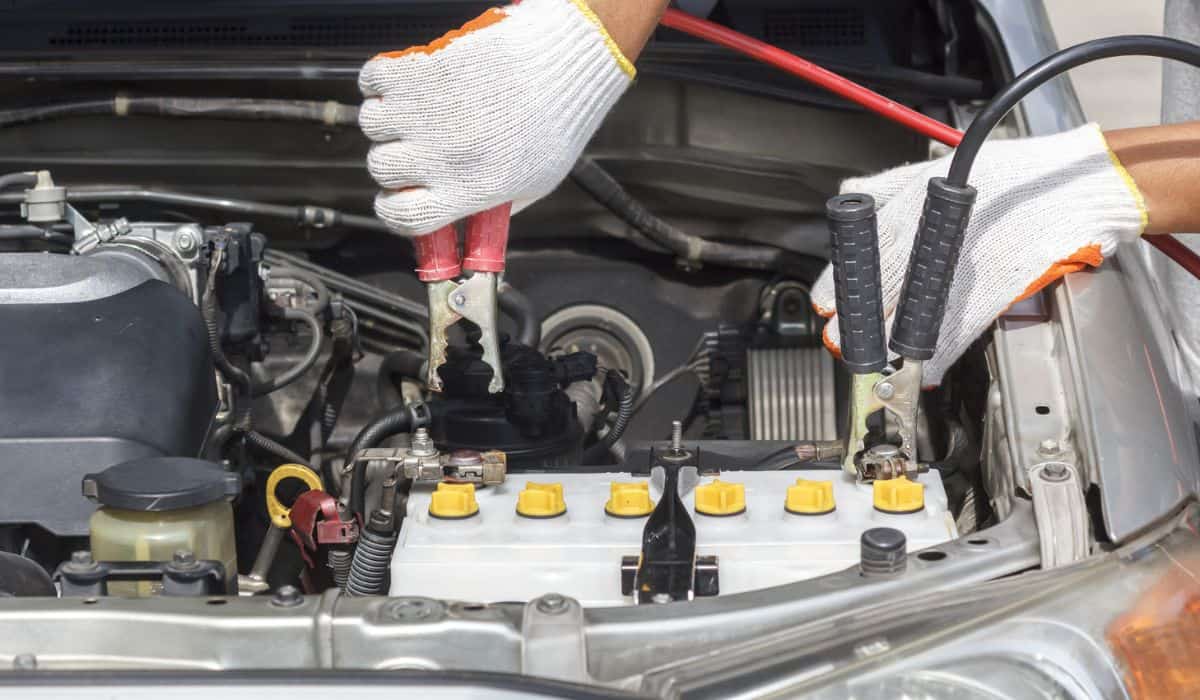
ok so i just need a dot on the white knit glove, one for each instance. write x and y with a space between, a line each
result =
496 111
1046 206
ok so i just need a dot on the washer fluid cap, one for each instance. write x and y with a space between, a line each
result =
157 484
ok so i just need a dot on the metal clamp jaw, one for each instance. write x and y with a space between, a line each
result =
473 298
897 394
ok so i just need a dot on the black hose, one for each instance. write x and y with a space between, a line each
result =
266 444
520 309
306 214
379 429
406 364
306 363
1046 69
25 180
628 396
608 192
26 232
208 311
308 278
319 112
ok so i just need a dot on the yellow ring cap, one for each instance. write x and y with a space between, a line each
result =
898 495
281 515
720 498
453 501
629 499
810 498
541 500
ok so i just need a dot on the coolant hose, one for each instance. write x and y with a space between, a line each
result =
520 309
382 427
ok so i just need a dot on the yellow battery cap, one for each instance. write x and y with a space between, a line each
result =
899 495
720 498
809 498
541 500
629 499
453 501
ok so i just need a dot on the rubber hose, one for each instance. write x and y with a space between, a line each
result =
34 233
309 279
23 577
519 308
266 444
25 180
407 364
372 558
314 111
608 192
382 427
306 363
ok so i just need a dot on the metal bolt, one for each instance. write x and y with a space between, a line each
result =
553 604
287 597
1049 446
676 436
82 558
885 390
1055 471
460 299
409 609
183 558
661 598
24 662
185 242
422 444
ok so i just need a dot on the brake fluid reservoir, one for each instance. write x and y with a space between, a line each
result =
151 508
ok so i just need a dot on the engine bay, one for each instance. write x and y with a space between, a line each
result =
225 384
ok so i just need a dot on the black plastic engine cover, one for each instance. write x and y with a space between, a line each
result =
89 383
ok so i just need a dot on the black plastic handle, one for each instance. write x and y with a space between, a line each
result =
856 283
931 269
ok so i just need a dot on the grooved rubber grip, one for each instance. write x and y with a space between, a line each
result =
437 255
487 239
931 269
856 283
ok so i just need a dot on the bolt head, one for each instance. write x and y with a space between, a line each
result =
82 558
287 597
460 299
661 598
24 662
183 557
885 390
553 604
185 242
1049 446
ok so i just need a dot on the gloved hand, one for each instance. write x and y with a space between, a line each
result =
1046 206
496 111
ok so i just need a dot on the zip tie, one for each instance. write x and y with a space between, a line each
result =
331 113
121 106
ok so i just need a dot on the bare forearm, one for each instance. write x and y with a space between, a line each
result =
1164 161
629 22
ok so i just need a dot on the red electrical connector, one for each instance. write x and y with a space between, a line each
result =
865 97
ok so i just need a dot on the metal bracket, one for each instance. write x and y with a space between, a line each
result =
553 643
1061 514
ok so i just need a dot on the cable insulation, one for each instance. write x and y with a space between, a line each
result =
873 101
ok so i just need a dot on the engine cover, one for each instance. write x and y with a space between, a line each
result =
99 364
